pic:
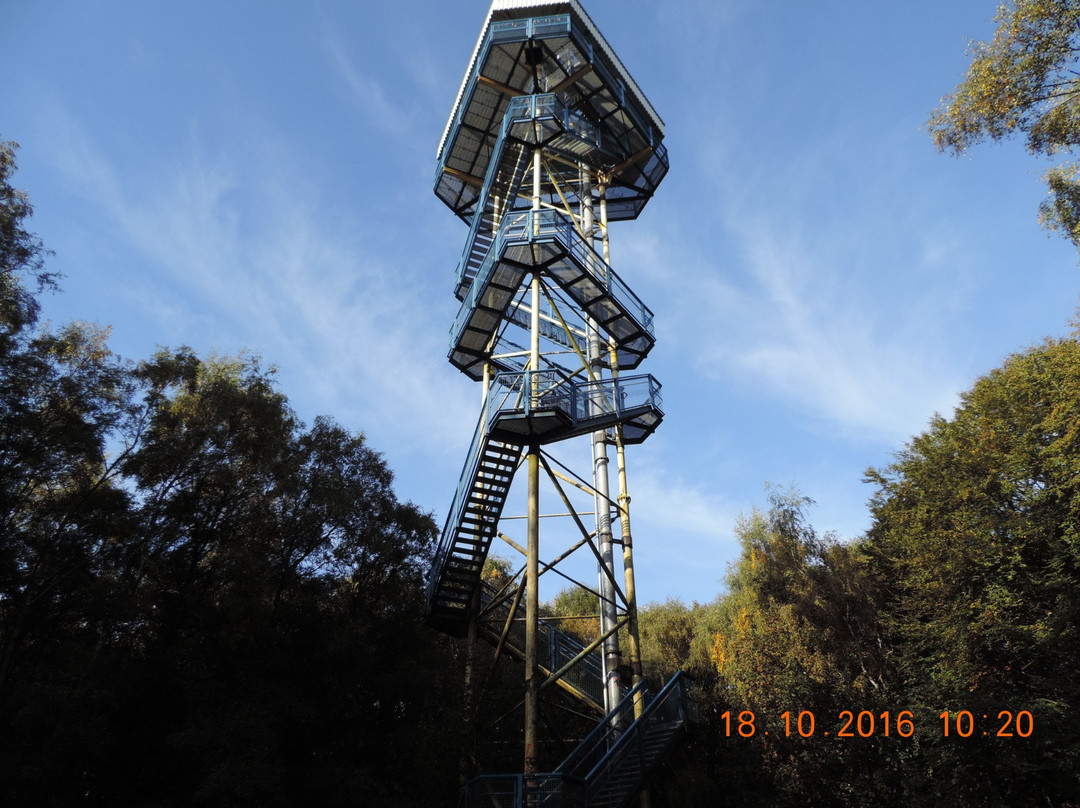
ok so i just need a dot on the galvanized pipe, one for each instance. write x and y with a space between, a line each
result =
532 561
601 484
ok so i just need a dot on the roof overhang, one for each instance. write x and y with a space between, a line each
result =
504 10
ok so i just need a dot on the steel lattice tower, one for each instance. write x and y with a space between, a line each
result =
549 140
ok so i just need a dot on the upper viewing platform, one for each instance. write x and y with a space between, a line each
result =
529 47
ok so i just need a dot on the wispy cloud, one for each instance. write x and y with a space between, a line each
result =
367 93
772 292
865 365
663 496
249 257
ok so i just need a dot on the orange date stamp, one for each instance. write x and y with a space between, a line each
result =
887 724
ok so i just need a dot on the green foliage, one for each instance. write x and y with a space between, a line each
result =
498 571
580 612
796 622
21 255
962 596
976 553
1024 82
797 632
202 601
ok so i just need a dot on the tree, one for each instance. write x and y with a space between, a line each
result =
797 632
202 600
975 554
1025 82
579 610
61 394
22 255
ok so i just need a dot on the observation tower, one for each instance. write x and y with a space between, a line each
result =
549 140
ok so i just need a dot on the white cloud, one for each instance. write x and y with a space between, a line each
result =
259 263
367 93
844 310
663 497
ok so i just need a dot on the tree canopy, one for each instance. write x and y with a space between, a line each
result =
975 552
202 600
1024 82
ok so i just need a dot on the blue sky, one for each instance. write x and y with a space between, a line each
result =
259 175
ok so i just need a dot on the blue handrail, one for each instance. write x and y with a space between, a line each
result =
521 109
599 762
525 227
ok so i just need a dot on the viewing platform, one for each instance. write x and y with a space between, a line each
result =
548 241
574 62
522 408
542 406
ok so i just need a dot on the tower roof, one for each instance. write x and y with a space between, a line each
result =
536 47
505 10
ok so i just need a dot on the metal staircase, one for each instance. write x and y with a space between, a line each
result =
522 407
550 240
550 139
621 752
608 767
469 529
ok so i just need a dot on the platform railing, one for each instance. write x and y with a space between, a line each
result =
530 391
588 754
538 225
627 750
585 403
525 227
617 396
521 110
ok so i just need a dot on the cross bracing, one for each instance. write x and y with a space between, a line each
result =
548 141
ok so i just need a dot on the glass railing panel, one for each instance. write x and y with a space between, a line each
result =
506 394
550 26
529 390
619 395
545 104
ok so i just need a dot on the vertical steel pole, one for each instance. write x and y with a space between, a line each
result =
633 636
601 483
532 561
532 613
468 740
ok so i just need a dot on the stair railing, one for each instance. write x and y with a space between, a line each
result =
461 496
628 747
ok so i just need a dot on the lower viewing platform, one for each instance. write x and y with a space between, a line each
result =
522 408
544 406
